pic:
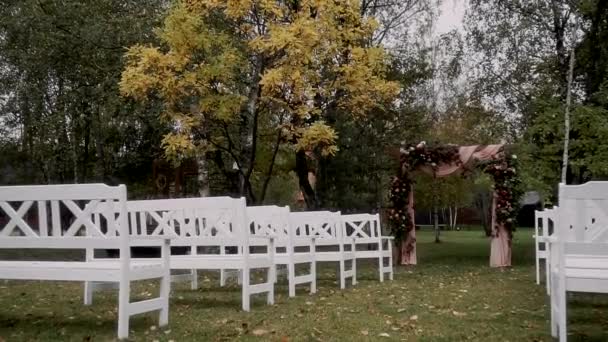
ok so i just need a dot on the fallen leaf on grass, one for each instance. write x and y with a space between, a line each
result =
458 314
384 335
400 310
364 332
259 332
414 318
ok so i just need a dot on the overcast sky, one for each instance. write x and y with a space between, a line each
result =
452 13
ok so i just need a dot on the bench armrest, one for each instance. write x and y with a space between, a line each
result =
263 237
149 241
551 239
304 239
153 237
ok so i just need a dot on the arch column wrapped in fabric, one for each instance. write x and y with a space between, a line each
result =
446 160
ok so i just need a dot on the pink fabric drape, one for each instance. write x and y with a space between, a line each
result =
500 255
500 245
408 246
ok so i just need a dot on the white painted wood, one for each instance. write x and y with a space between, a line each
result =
329 232
275 221
206 222
366 230
544 219
74 228
579 248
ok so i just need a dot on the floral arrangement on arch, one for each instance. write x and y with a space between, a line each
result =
503 170
506 188
401 222
415 156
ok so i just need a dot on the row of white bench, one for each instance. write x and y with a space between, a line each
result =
218 233
576 252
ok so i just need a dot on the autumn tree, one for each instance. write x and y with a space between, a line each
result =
222 67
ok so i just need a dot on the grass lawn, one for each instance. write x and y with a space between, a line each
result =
451 296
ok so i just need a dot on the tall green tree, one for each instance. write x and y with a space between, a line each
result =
60 62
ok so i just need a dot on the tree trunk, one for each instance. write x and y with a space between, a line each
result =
567 111
271 167
559 27
75 148
436 224
203 174
87 143
100 163
302 171
450 216
249 128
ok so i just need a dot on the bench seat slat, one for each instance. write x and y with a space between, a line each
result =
60 242
72 270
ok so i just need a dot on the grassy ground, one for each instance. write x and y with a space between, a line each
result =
451 296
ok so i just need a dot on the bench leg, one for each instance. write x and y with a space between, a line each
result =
390 259
291 275
165 289
246 298
313 273
562 319
123 309
165 284
548 276
342 276
353 268
553 309
222 277
537 269
89 288
381 266
194 280
271 276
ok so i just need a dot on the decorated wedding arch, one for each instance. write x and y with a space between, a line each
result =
445 160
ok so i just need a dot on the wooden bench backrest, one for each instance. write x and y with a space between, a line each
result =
362 226
583 212
544 221
270 220
323 225
60 216
203 221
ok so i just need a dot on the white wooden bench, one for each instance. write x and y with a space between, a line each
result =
290 250
109 232
543 219
332 243
202 225
579 248
366 229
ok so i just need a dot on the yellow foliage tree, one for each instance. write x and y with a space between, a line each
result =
222 65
